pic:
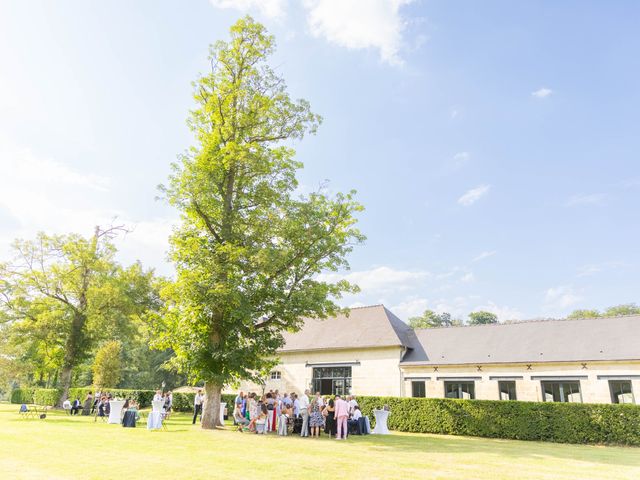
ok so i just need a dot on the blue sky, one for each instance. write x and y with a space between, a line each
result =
494 144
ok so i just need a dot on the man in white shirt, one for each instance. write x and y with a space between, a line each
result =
197 406
352 404
304 412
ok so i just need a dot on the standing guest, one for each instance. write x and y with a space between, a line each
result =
238 399
304 412
330 418
285 415
271 412
88 402
96 401
168 402
319 400
158 396
197 406
287 400
342 414
316 421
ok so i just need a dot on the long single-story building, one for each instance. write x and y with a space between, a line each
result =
373 352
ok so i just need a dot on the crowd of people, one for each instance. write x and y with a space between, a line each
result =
292 413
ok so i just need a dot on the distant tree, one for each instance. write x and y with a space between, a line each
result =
625 309
615 311
431 319
107 366
482 318
584 314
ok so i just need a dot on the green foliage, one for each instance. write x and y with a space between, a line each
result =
51 396
431 319
46 396
625 309
541 421
107 365
584 314
615 311
249 250
22 395
62 295
482 318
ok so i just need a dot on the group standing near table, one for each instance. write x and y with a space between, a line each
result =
285 413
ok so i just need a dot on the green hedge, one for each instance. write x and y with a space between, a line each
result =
50 396
22 395
542 421
182 402
142 397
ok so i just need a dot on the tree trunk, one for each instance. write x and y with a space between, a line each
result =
211 406
65 380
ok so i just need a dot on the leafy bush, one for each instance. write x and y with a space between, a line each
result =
541 421
46 396
22 395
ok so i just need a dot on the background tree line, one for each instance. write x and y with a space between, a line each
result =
431 319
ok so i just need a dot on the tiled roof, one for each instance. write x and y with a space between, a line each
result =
373 326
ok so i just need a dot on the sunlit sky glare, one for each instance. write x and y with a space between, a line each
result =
494 144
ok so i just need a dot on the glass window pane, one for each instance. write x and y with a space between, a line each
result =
507 389
418 389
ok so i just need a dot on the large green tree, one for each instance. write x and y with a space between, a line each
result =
62 294
431 319
249 250
482 317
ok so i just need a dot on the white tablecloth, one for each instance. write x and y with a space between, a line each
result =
222 407
381 422
116 410
154 421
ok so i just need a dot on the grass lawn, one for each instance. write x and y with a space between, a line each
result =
63 447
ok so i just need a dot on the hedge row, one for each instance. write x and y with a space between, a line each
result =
541 421
50 396
182 402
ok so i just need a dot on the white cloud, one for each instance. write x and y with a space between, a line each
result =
410 308
379 280
559 299
43 194
467 277
473 195
542 92
460 159
454 113
588 199
360 24
484 255
593 268
268 8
